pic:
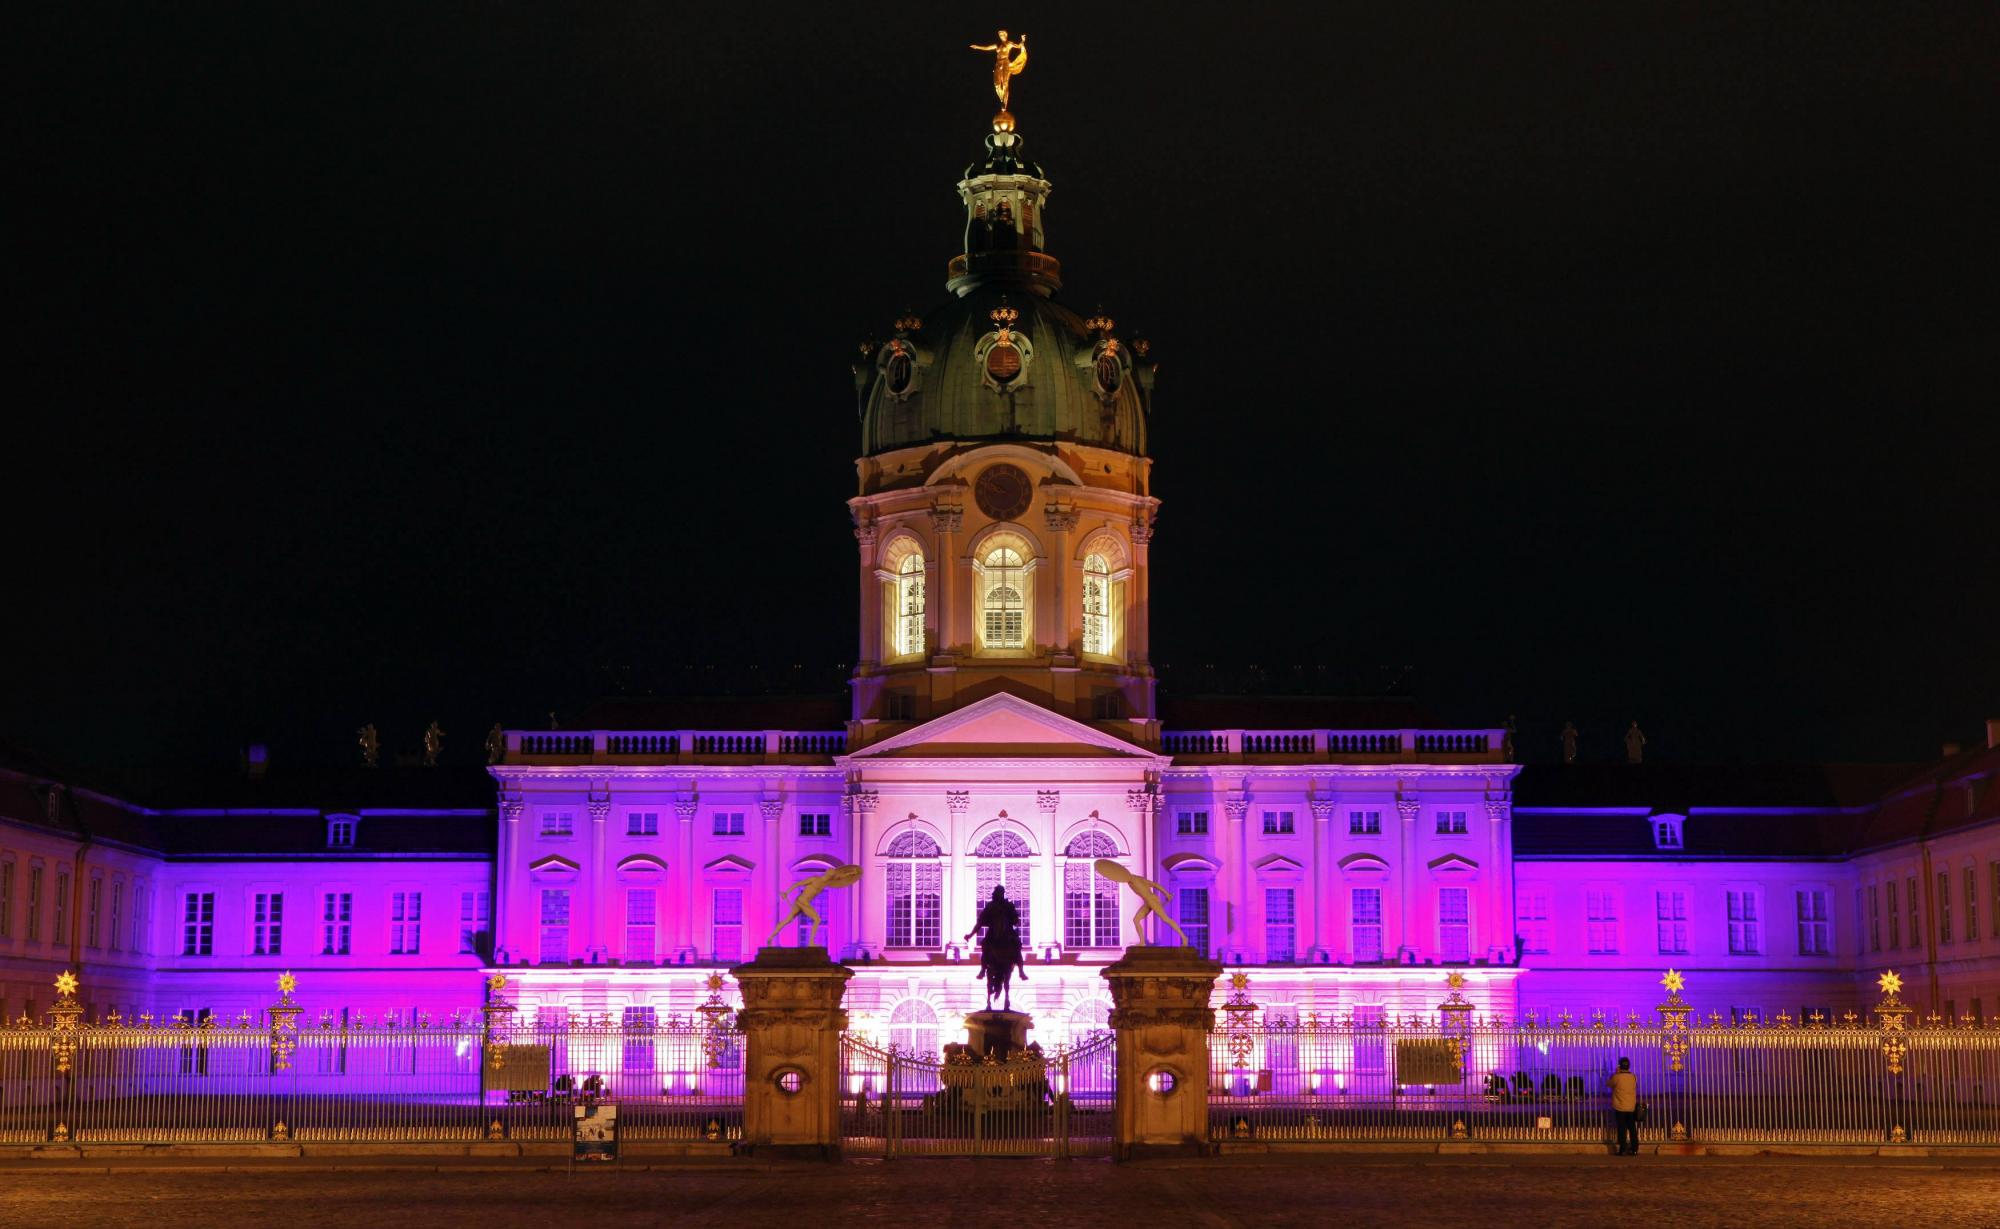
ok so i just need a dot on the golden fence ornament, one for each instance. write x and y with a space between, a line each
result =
1894 1015
284 1024
1674 1020
64 1015
1240 1007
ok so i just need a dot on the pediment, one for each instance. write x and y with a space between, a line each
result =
730 864
1363 864
553 864
1278 865
1188 863
1002 726
642 864
1453 863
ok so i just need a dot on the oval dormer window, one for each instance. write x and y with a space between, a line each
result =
1003 364
898 371
1110 373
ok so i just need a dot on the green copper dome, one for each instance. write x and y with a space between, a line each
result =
1002 359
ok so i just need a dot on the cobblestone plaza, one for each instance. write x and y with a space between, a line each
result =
1550 1192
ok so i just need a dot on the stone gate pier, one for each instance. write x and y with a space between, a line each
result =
1160 1010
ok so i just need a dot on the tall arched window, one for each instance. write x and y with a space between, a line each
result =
910 605
913 1028
916 891
1003 599
1003 860
903 598
1090 901
1099 636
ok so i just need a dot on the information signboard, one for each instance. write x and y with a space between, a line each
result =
596 1132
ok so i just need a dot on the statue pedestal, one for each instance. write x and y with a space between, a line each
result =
791 1022
997 1032
1160 1010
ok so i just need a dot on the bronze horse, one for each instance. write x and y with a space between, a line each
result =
1000 958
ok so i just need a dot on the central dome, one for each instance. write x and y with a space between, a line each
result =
1002 359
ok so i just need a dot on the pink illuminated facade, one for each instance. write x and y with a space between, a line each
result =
1004 726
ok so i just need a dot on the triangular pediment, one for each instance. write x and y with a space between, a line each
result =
1003 726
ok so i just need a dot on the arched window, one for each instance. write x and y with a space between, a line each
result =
1003 599
1003 861
916 891
1098 636
910 605
903 598
1092 1015
1090 901
913 1028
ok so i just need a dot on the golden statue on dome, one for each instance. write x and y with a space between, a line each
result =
1010 57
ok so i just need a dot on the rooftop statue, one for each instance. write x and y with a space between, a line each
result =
1010 56
1152 897
1635 744
1569 742
433 744
1000 958
802 894
496 744
371 744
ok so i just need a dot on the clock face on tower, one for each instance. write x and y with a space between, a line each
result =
1003 492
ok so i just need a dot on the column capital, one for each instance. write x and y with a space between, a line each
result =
864 801
1499 808
772 808
685 805
1408 808
946 518
1322 807
1236 808
600 806
1060 518
1142 532
511 807
958 801
1048 800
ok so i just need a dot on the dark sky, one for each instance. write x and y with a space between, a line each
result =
1586 361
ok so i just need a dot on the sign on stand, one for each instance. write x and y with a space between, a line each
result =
595 1137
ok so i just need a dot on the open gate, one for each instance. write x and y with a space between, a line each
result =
895 1103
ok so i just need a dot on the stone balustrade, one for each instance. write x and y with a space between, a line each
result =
674 746
1344 746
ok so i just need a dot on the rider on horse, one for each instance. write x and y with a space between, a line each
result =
1000 958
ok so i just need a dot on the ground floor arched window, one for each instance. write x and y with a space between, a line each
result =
1090 901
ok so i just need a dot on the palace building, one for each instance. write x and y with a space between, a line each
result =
1004 726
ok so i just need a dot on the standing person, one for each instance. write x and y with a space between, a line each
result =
1625 1107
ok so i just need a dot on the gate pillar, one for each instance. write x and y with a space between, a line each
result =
791 1022
1160 1010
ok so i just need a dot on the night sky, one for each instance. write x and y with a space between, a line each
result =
468 361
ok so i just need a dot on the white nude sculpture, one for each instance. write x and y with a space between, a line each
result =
1152 897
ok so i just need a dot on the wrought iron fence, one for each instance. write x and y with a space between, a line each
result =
147 1081
896 1103
1875 1079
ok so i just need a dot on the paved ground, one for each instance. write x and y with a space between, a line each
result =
1348 1191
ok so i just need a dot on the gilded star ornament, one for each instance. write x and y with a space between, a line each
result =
497 982
66 983
714 983
1239 981
287 983
1455 979
1673 981
1890 983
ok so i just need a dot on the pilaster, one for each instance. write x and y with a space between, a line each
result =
593 905
1407 809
